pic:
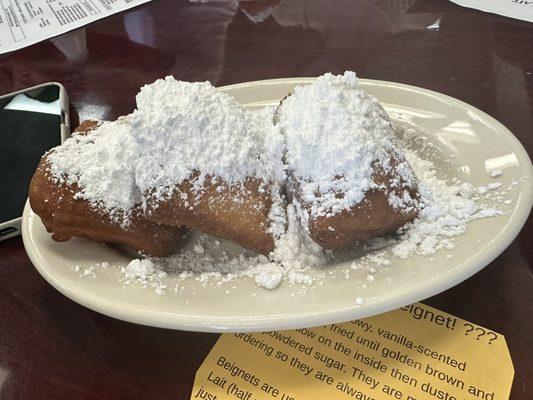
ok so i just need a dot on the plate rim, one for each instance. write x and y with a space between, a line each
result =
427 288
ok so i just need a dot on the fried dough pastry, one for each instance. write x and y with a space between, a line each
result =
236 212
65 215
195 157
207 162
374 216
346 172
87 126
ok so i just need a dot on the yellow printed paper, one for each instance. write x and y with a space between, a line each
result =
416 352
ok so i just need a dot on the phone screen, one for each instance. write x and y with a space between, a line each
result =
30 124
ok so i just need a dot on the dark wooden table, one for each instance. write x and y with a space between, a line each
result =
52 348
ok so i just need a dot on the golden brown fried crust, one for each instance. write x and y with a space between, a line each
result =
65 216
374 216
238 213
87 126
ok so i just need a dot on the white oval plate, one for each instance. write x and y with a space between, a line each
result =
471 143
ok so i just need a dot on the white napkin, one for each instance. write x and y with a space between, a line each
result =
518 9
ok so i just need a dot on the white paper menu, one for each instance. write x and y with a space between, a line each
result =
24 22
518 9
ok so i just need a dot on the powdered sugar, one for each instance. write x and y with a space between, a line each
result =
336 134
269 277
139 269
102 164
295 254
295 249
445 214
186 127
494 185
145 272
447 210
158 146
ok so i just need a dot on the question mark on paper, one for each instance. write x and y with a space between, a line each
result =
470 326
482 332
492 338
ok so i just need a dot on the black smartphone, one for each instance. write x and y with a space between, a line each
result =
32 121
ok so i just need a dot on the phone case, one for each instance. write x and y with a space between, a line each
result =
13 226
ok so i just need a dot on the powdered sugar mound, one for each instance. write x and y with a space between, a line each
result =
335 134
102 165
444 215
487 213
145 272
295 250
188 127
269 277
139 269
